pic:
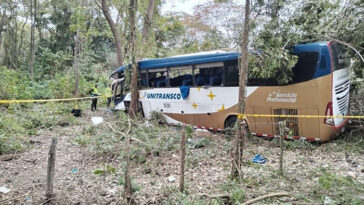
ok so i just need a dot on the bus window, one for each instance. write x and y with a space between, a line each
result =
209 76
157 79
305 68
340 56
231 72
180 76
143 80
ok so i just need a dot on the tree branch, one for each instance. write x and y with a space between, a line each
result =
279 194
344 43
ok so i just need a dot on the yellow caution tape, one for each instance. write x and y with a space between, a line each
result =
241 116
44 100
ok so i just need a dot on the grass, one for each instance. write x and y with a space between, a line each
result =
335 189
18 123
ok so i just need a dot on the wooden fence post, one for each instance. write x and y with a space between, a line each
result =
50 169
182 160
282 124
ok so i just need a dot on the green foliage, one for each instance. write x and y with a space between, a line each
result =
14 85
134 186
50 63
16 126
157 117
340 190
108 169
236 189
329 181
189 131
198 142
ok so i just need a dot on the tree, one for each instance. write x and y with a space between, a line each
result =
33 10
144 39
241 131
114 30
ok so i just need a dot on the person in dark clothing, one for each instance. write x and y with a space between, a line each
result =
94 93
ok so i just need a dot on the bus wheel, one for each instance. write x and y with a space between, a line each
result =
230 121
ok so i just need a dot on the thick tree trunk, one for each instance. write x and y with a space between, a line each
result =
148 21
140 52
114 30
134 72
240 133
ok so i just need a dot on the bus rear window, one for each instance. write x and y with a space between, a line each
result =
305 68
340 56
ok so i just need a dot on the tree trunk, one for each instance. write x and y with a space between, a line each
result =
37 23
134 72
147 22
240 133
146 27
282 133
128 192
51 169
76 60
182 161
31 53
115 32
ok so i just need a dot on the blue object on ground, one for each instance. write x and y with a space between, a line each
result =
259 159
74 170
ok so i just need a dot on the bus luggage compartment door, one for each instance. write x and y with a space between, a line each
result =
310 126
262 125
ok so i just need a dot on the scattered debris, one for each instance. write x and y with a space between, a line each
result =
9 157
63 123
171 179
4 190
147 124
259 159
202 133
97 120
328 200
279 194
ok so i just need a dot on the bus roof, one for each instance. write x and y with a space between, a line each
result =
206 57
184 60
309 46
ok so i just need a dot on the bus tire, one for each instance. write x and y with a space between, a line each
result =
230 121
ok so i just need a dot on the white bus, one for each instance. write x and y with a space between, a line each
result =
202 90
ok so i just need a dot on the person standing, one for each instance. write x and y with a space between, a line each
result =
94 93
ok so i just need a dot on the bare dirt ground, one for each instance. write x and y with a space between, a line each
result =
331 173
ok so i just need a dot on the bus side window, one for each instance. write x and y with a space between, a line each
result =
231 73
143 80
305 67
181 76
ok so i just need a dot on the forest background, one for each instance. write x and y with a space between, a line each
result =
45 45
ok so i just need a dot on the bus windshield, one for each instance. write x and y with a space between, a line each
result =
305 68
340 56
